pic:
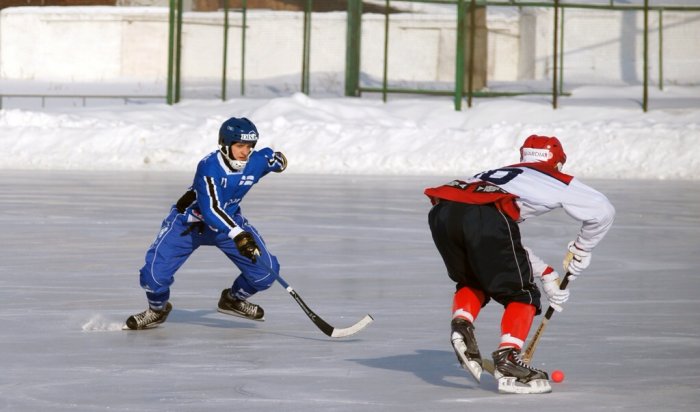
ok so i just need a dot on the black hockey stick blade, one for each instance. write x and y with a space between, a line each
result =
324 326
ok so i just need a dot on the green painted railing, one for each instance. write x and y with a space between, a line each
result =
353 85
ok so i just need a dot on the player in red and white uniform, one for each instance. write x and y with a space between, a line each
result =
474 224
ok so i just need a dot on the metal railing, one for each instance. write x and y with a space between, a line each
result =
465 8
175 48
463 87
557 48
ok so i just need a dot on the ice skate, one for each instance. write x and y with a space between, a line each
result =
148 319
466 349
516 376
239 307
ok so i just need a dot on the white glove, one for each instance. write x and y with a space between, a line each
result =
550 284
576 260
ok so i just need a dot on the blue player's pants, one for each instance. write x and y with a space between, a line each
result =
171 249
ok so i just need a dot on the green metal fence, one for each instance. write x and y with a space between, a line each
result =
175 48
465 9
468 6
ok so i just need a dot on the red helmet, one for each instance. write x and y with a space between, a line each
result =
543 149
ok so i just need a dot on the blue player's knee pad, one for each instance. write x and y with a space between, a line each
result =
151 285
156 293
256 279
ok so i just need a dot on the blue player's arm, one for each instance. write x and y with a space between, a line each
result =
276 161
210 202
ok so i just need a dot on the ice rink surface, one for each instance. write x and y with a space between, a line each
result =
73 242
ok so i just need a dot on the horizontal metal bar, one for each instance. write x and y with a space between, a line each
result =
451 93
515 3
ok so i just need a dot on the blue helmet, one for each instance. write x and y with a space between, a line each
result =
236 130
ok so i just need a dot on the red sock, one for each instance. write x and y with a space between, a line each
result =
467 303
515 324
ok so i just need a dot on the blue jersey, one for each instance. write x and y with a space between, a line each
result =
220 189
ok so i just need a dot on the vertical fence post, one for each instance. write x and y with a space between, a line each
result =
661 49
171 50
178 51
459 53
386 50
555 92
645 99
225 56
472 45
352 48
306 54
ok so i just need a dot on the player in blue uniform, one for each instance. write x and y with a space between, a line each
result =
209 213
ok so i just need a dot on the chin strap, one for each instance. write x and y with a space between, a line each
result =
233 164
237 164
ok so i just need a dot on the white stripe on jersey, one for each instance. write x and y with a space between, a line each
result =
215 204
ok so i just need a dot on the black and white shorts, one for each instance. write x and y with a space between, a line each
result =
481 248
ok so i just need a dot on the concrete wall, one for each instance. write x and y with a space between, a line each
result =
83 44
95 44
86 44
608 46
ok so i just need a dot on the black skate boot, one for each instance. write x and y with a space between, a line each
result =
238 307
466 349
516 376
149 318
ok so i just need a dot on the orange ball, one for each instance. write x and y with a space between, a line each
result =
557 376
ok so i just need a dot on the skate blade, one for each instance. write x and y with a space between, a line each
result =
471 366
511 385
151 326
238 315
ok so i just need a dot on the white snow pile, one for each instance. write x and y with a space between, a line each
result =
610 138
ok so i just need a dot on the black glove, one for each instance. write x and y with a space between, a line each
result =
246 246
280 159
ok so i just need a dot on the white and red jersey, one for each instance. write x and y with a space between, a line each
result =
538 188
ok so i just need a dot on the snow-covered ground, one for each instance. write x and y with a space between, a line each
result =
603 129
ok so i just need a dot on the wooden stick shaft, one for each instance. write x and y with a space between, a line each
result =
530 350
